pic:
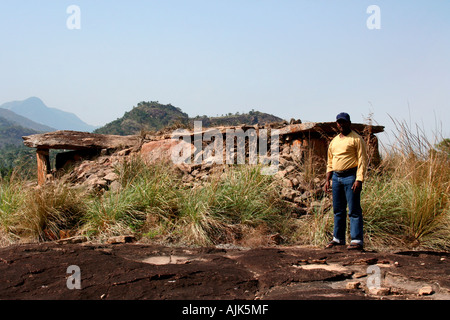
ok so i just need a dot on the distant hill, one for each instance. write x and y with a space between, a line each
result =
251 118
13 153
24 122
18 157
34 109
153 116
147 116
11 133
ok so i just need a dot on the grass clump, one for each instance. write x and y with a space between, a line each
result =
147 196
239 199
11 199
39 213
406 201
154 203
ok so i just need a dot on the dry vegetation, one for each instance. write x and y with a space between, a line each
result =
405 203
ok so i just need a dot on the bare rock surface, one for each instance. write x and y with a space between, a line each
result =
134 271
75 140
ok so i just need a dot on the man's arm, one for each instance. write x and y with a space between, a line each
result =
327 183
326 188
362 165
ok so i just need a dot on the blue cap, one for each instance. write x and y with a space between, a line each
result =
343 116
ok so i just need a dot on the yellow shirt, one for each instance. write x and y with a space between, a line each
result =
348 152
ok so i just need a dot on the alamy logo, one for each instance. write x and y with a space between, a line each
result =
73 22
238 147
74 280
374 280
374 20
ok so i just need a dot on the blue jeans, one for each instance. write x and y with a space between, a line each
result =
343 195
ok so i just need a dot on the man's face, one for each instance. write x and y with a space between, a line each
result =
343 126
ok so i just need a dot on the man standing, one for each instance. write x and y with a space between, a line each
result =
346 168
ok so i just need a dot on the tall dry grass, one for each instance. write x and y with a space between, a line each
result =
31 213
147 193
407 199
11 198
154 202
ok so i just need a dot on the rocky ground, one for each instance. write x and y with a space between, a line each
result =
133 271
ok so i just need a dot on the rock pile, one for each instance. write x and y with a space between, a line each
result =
301 180
98 174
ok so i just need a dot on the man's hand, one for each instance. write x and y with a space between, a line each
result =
326 187
357 186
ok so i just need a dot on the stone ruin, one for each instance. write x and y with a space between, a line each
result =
300 166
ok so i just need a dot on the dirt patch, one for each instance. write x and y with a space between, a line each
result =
140 271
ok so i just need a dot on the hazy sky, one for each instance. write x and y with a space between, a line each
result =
298 59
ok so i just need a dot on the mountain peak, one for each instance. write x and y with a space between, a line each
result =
35 109
34 100
147 115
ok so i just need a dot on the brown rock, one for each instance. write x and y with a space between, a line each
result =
125 152
286 149
287 183
72 240
280 174
288 193
379 291
290 168
353 285
285 163
163 150
187 178
305 195
75 140
184 167
115 186
425 291
121 239
298 200
96 181
288 157
111 176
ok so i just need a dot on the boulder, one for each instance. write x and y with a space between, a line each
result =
168 150
379 291
425 291
353 285
76 140
112 176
